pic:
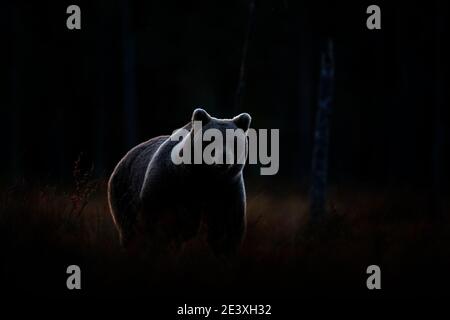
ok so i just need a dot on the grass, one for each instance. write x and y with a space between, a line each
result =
45 229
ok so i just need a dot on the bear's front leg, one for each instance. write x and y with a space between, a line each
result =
169 219
226 222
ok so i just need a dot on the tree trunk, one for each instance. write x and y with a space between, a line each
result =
321 136
241 80
129 76
438 125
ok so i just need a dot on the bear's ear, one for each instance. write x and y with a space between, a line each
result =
242 121
201 115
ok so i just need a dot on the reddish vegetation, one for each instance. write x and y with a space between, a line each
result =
43 230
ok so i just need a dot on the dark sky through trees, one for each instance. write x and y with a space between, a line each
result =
138 69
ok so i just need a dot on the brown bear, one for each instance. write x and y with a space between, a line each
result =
153 198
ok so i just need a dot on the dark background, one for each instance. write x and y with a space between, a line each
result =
137 69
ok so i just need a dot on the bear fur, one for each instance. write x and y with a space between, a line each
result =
162 203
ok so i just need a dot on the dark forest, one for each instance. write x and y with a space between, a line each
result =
75 101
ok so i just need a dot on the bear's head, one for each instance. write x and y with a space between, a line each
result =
223 142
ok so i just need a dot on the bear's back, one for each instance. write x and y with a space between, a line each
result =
129 173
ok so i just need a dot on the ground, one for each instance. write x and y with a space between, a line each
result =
45 229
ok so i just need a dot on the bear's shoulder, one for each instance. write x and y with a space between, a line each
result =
143 152
131 168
